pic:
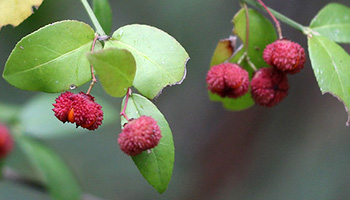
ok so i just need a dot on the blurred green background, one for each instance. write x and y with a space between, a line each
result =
297 150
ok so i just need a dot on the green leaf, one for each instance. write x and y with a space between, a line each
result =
261 33
157 166
160 59
115 68
331 67
38 119
333 22
223 51
15 12
103 13
51 58
58 178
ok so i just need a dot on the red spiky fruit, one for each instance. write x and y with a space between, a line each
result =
6 141
228 80
139 135
269 86
285 55
80 109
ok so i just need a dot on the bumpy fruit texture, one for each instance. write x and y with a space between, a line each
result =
228 80
80 109
6 141
139 135
269 86
285 55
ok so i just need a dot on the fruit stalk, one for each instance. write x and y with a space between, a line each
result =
122 113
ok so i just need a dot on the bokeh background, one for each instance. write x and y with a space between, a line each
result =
297 150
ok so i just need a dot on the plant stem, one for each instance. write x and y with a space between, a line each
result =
251 64
94 80
278 26
241 58
279 16
246 27
122 113
245 55
93 18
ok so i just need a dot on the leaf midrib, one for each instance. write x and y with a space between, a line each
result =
144 55
119 71
334 66
50 61
156 158
345 25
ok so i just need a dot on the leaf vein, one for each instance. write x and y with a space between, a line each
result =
335 68
52 60
148 58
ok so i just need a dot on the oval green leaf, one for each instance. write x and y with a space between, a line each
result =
51 58
103 13
58 178
333 22
156 166
160 59
115 68
331 67
261 33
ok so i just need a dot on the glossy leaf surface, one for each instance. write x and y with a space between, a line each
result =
333 22
160 59
331 67
156 166
115 68
51 58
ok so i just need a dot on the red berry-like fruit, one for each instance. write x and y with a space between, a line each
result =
285 55
80 109
139 135
6 142
269 86
228 80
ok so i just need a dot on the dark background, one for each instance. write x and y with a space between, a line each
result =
297 150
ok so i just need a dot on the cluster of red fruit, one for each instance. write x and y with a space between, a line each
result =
80 109
268 85
138 135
